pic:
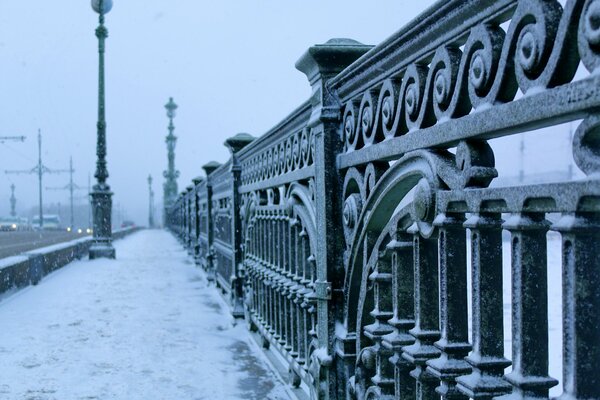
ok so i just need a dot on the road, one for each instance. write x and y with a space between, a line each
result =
14 243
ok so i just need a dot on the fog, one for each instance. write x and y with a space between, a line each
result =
228 64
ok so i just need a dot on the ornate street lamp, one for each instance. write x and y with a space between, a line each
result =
101 194
171 174
151 203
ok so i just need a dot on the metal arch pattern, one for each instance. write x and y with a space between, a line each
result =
393 186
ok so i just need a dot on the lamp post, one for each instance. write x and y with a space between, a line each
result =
101 194
171 174
151 203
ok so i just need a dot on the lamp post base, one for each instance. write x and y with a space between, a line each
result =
102 250
102 209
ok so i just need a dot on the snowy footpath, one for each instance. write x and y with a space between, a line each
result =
145 326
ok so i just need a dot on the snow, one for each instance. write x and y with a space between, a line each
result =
10 261
144 326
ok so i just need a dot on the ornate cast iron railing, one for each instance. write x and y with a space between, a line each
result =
346 234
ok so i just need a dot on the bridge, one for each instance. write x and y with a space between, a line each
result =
366 246
362 237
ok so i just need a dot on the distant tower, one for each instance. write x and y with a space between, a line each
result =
13 201
522 161
151 203
171 174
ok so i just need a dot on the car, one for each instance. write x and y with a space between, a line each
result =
10 224
51 222
127 224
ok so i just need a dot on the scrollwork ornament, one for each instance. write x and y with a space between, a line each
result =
254 169
367 119
276 160
350 129
589 35
483 51
281 157
352 209
269 163
373 172
389 109
423 211
263 166
304 148
475 159
413 92
296 151
535 25
586 145
450 95
289 157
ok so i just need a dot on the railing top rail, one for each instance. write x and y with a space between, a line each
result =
221 173
292 122
444 22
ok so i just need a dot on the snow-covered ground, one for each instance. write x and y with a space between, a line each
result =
145 326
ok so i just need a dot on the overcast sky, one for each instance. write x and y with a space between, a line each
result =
228 64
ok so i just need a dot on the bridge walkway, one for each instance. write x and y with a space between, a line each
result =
144 326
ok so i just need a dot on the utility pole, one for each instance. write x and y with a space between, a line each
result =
13 201
522 161
40 169
71 187
151 205
570 167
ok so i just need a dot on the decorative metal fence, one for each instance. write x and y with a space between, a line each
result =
345 235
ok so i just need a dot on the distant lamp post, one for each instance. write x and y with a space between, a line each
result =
171 174
101 194
151 203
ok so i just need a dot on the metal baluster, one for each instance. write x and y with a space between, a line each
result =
487 357
401 248
581 305
382 312
426 330
454 341
529 375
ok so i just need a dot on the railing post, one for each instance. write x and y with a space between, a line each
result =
196 225
189 206
209 169
235 144
321 63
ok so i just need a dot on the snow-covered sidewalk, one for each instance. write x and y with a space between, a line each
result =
145 326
